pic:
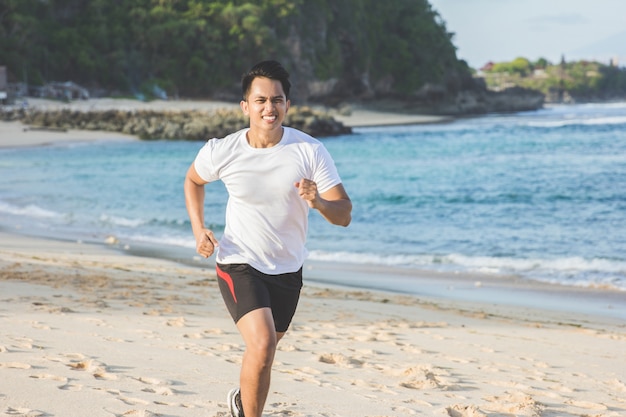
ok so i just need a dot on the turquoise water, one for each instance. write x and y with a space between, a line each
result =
539 194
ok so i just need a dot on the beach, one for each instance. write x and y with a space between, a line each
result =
90 330
97 330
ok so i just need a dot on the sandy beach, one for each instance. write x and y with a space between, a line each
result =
90 330
96 330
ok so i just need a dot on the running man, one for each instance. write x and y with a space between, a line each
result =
273 175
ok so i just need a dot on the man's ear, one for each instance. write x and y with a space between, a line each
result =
244 107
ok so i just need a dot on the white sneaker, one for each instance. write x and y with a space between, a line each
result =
234 403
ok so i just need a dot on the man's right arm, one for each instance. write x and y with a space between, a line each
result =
194 200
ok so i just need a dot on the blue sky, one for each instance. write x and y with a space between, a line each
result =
502 30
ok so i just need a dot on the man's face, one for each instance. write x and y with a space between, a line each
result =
266 105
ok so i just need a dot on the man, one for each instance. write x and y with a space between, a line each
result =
273 176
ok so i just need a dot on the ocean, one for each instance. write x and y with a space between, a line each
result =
539 195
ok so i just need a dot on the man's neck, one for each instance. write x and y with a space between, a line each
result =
261 139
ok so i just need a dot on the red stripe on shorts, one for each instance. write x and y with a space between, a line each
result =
226 277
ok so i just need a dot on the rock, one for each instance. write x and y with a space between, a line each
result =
183 125
195 129
515 99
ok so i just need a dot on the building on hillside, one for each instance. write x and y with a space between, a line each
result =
487 67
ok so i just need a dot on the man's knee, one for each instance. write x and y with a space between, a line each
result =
263 349
257 329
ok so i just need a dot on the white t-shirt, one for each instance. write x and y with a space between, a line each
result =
266 220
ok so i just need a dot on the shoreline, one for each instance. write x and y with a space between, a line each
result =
476 290
88 329
473 289
573 304
17 135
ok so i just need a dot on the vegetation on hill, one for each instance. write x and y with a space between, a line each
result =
199 48
565 81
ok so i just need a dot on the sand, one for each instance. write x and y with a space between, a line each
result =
92 330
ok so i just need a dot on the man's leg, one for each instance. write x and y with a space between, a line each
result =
260 337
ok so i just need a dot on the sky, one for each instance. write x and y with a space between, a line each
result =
502 30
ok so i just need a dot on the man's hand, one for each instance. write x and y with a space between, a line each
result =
334 204
307 190
206 243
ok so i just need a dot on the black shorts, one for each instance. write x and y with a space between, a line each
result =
244 289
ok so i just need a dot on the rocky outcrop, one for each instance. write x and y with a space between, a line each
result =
173 125
514 99
436 100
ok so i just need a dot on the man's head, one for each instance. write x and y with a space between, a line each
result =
268 69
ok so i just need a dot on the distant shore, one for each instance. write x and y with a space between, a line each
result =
18 134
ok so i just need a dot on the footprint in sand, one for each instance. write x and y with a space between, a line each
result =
588 405
427 377
149 381
51 377
138 413
133 401
284 408
23 343
617 385
341 360
305 374
373 386
159 390
464 411
516 403
193 336
101 373
24 412
70 386
176 322
289 348
404 411
40 326
156 386
14 365
85 365
98 370
457 359
418 403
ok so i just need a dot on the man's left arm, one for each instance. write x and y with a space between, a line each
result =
334 204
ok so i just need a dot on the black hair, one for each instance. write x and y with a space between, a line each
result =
268 69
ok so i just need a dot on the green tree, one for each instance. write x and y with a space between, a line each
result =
519 66
199 47
541 63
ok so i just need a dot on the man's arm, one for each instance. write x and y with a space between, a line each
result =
194 200
334 205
